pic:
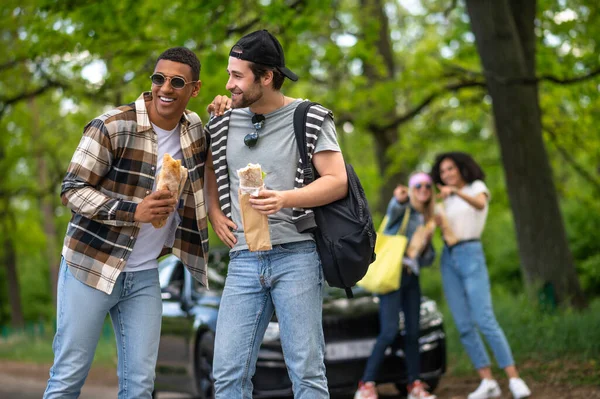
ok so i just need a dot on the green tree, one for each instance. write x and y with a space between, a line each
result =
404 79
504 33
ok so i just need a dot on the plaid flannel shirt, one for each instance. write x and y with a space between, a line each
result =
112 170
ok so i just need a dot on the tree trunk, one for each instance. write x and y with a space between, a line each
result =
383 140
12 281
376 32
504 34
45 202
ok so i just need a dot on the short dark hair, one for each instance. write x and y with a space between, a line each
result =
467 167
183 55
260 70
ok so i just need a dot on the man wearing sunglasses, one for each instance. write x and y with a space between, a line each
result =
287 279
109 258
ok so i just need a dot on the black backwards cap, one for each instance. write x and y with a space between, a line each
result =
261 47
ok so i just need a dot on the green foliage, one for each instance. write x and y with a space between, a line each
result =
582 229
501 252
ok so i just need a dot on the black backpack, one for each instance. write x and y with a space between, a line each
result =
345 235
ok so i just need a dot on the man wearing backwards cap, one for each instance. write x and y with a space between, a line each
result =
287 279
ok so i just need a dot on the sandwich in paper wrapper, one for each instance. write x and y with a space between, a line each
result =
419 239
172 177
256 225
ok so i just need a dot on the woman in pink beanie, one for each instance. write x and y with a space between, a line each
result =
418 201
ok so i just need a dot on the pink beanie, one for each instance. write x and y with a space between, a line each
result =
419 178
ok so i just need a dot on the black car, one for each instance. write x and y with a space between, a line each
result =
350 326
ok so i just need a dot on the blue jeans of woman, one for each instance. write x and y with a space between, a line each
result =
407 298
135 308
287 279
467 290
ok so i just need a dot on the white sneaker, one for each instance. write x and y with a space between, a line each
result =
487 389
418 390
366 390
518 388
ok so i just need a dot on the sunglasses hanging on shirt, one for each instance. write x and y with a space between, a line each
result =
251 139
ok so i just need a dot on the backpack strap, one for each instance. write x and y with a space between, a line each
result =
300 132
307 121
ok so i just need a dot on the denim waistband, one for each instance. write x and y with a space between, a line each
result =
462 242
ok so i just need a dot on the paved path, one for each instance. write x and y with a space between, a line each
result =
27 381
19 387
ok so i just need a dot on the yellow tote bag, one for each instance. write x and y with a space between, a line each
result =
383 275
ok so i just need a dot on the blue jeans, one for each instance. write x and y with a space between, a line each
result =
407 298
135 308
289 280
467 290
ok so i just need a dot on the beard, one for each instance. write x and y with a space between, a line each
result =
248 97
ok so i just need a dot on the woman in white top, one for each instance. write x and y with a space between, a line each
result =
464 272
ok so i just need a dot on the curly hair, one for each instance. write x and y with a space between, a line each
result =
467 167
183 55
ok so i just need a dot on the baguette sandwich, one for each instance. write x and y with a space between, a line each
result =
251 176
172 177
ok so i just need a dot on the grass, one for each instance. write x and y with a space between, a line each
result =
563 343
37 348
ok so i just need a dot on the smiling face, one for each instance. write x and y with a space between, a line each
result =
422 192
168 104
245 91
450 174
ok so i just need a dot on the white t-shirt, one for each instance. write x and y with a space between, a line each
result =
150 241
466 221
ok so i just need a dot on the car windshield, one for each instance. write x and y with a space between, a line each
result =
171 269
215 281
165 269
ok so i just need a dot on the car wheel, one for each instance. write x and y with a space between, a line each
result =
204 362
431 383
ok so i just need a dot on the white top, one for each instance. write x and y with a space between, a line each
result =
150 241
465 220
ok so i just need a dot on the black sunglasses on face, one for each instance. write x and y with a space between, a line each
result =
177 82
419 185
252 138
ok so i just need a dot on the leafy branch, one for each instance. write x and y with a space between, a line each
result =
455 70
5 102
450 87
566 155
